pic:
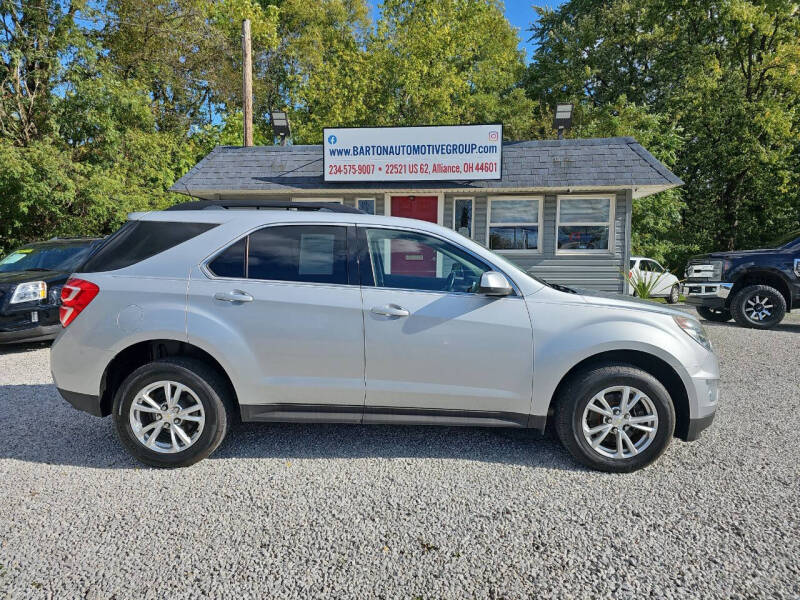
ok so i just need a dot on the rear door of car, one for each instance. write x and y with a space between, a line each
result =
437 350
287 304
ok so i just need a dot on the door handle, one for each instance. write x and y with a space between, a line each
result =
233 296
390 310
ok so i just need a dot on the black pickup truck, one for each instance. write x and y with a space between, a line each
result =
754 287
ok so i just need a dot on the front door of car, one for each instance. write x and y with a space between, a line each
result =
437 350
662 280
282 307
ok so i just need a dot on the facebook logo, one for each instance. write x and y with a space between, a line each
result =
332 139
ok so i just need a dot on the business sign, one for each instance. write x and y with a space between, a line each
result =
441 153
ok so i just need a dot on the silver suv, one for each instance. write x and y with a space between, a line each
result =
186 321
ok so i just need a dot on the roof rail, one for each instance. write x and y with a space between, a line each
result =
257 204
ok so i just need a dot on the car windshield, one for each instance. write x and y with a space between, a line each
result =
45 258
785 239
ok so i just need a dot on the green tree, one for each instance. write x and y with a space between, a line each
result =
327 79
36 38
448 62
188 53
724 71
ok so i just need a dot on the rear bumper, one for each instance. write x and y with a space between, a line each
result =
85 402
30 334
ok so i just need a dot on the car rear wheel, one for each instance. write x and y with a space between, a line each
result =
172 412
615 418
758 307
674 294
718 315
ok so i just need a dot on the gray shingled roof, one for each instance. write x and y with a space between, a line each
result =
607 162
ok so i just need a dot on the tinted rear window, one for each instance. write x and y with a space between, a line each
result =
309 253
306 253
139 240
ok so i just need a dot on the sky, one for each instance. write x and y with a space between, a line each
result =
518 12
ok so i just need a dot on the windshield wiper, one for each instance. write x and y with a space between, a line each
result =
562 288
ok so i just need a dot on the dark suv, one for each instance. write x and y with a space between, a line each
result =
30 287
754 287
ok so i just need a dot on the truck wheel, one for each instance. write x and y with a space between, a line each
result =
758 307
718 315
674 294
172 412
615 418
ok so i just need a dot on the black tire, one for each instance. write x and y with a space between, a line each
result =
212 391
674 294
574 397
718 315
764 296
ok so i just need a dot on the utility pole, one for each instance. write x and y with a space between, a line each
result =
247 83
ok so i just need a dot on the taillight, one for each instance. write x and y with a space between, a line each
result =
75 296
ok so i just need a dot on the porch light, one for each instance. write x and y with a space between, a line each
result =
563 118
280 125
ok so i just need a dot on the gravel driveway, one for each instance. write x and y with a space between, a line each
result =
306 511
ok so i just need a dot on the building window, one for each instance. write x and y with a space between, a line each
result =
462 216
583 223
366 205
514 223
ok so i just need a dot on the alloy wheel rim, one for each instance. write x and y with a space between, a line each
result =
167 417
620 422
758 308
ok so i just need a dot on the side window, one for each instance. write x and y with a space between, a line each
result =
136 241
307 253
644 266
231 263
409 260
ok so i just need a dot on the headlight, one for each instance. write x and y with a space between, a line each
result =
694 330
28 292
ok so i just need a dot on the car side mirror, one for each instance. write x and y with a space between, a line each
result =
495 284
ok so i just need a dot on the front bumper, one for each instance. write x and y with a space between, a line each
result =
696 426
38 333
713 294
85 402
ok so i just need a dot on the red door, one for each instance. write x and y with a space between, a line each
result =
409 258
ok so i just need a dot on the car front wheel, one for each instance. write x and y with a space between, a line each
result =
615 418
172 412
758 307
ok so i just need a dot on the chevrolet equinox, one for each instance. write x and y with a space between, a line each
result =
184 321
